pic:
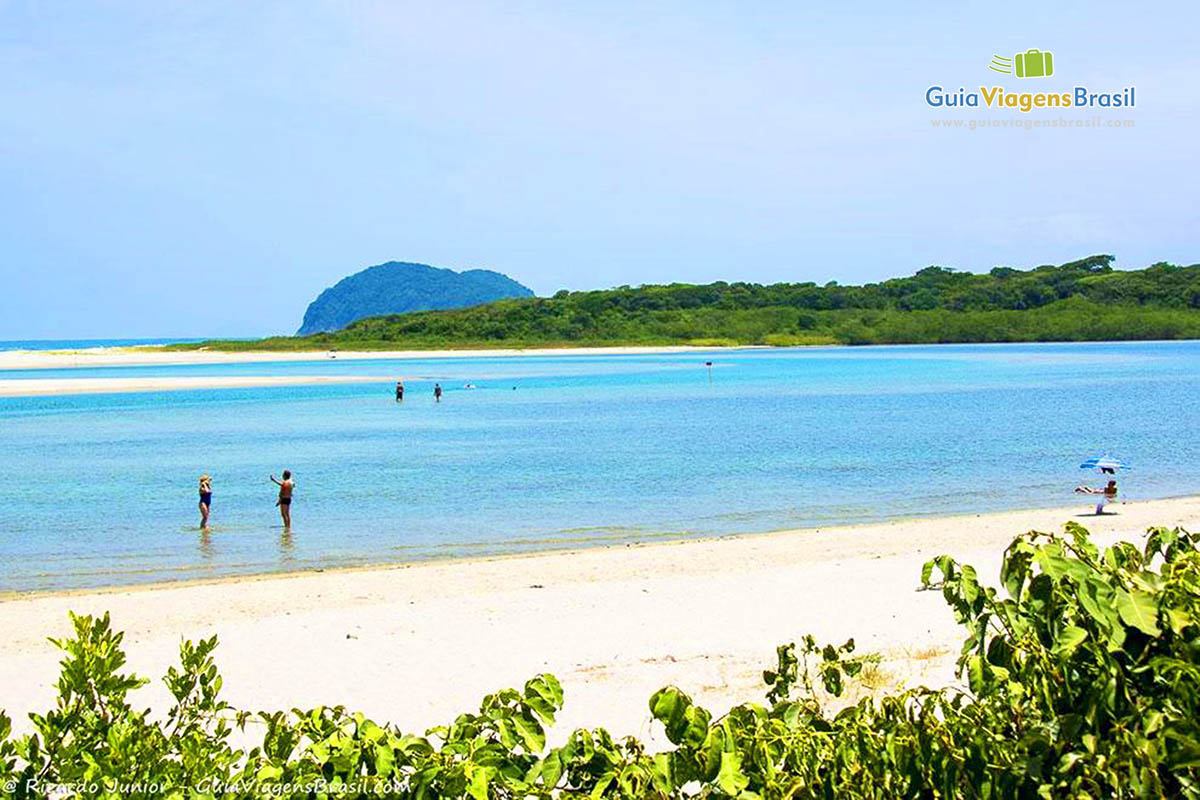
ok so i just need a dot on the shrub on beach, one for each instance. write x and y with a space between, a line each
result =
1083 673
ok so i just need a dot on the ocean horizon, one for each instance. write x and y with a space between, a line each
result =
84 344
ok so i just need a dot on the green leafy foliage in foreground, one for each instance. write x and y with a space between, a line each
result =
1078 301
1083 674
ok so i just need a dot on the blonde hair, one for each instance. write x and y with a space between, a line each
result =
205 479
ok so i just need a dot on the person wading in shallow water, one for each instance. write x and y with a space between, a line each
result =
285 497
437 393
205 500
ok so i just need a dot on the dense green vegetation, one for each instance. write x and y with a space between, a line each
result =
1084 300
1083 673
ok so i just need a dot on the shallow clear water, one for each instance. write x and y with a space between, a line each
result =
101 489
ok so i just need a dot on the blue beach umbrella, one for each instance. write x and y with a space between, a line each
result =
1105 462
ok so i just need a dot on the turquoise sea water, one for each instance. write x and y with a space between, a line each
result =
565 451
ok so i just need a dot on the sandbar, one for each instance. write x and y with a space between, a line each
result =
33 387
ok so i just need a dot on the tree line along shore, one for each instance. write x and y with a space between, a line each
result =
1084 300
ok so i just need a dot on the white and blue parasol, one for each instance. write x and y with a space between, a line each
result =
1105 462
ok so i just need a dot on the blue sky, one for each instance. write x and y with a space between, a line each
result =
189 169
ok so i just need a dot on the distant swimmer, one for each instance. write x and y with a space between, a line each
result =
399 391
205 500
437 393
470 386
285 497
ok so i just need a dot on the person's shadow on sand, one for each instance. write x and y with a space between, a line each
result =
1100 514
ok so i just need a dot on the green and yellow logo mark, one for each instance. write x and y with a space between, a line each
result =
1030 64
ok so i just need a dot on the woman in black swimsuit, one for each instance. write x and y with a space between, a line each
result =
205 500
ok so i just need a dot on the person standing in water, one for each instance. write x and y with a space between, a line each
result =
399 391
285 497
437 393
205 500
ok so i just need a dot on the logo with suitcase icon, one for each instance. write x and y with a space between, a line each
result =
1032 63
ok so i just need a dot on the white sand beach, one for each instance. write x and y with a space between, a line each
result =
153 356
150 356
32 387
416 644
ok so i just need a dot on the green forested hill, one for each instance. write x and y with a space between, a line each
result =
1078 301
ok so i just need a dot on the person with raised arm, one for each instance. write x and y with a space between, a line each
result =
285 497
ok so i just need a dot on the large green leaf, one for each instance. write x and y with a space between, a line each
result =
1179 619
533 738
1068 639
551 769
730 778
976 673
477 782
1138 610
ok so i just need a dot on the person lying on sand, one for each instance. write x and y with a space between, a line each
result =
1107 495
